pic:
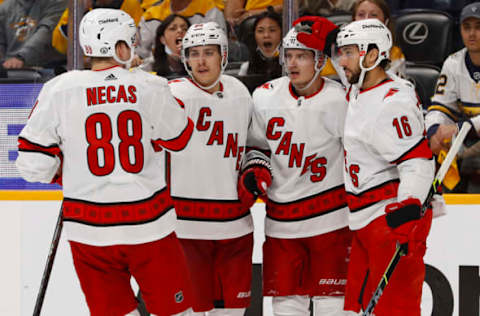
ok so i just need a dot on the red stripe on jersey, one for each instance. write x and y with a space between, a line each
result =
384 191
209 210
26 145
312 206
420 150
103 69
294 94
112 214
377 85
348 94
182 105
177 143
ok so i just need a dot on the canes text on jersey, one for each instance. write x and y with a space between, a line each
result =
314 163
217 135
111 94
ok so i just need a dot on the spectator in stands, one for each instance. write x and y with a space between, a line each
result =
60 33
238 10
457 97
378 9
264 49
166 59
196 11
325 7
25 31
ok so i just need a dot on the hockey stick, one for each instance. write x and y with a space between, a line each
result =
48 266
402 249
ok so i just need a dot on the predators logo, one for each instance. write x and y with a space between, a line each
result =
24 28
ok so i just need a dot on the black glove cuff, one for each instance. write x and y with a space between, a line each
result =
403 215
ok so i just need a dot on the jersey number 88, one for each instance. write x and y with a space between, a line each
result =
127 120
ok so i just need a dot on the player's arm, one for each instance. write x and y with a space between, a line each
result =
444 113
400 140
172 127
256 172
39 154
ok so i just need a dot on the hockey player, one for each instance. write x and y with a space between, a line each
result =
297 132
389 170
215 229
117 212
457 95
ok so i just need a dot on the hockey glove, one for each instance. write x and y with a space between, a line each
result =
253 182
316 32
408 225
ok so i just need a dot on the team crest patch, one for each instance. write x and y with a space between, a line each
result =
391 92
179 297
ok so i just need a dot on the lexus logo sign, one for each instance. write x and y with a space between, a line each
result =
415 33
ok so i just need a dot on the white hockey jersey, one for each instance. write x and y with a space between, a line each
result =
457 93
103 123
386 153
204 176
303 136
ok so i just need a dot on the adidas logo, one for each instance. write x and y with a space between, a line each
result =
110 77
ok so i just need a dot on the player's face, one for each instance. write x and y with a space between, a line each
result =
206 63
172 37
300 66
470 30
369 10
349 61
268 36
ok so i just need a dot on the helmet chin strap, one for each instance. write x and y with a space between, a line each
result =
206 87
364 71
124 62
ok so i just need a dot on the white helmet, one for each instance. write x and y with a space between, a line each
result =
102 29
290 41
364 33
202 34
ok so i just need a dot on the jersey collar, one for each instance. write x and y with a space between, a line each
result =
294 94
108 68
196 85
473 71
384 81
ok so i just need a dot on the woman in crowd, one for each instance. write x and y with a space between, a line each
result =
264 50
165 60
378 9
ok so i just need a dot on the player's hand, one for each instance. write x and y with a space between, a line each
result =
136 61
407 224
441 139
316 32
253 182
13 63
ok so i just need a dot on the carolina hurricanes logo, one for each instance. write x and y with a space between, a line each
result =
390 92
267 85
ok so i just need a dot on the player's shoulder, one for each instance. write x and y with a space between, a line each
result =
334 87
398 95
232 83
180 84
271 87
148 78
67 80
